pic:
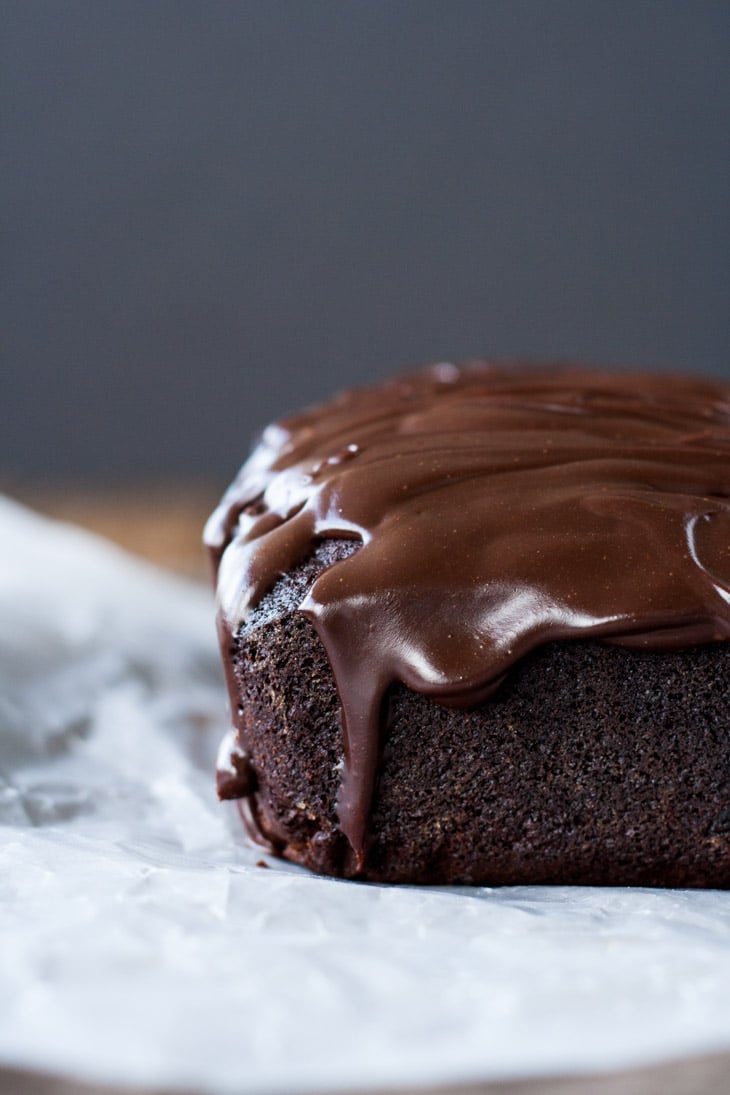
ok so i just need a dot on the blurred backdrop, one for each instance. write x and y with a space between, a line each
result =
214 212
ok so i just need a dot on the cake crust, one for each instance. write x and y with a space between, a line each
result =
592 765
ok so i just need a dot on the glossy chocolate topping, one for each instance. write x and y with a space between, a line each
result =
498 508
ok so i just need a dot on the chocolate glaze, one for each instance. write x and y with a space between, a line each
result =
498 508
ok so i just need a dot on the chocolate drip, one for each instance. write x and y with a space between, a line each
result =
498 509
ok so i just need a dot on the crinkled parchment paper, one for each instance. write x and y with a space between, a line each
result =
142 944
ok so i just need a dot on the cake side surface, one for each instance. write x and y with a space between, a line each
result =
447 533
591 765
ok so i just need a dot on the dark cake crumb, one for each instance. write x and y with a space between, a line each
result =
592 765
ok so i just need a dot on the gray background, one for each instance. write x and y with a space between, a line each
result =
214 212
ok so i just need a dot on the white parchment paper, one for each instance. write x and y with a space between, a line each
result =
140 943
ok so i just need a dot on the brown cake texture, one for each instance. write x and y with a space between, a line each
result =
593 747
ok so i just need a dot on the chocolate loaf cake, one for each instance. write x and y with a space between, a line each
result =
475 625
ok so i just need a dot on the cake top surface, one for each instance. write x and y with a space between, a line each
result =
498 508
